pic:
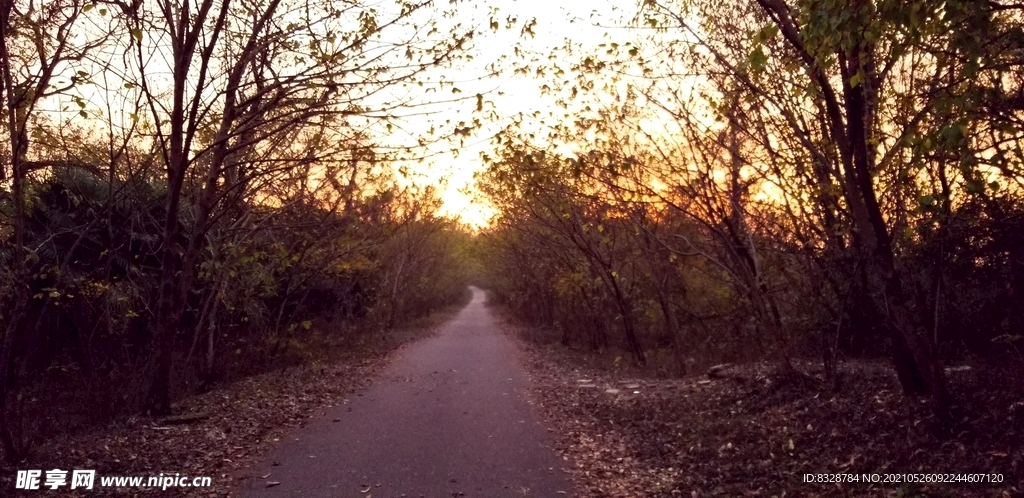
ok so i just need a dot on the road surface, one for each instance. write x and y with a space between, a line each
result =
448 418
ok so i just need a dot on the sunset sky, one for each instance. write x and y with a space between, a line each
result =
507 94
583 23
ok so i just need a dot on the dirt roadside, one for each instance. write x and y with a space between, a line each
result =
631 434
240 423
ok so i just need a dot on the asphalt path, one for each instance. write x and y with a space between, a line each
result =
448 418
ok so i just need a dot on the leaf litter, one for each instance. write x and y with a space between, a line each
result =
217 434
750 436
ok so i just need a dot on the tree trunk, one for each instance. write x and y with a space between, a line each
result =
15 124
628 328
158 400
915 362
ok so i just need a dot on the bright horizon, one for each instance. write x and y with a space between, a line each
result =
504 95
508 94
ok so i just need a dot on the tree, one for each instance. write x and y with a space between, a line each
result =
876 80
243 75
41 57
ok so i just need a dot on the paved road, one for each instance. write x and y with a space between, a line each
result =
446 419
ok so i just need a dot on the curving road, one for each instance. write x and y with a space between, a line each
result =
447 418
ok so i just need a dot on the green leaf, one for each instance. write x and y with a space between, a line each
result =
758 59
87 7
856 79
766 33
137 34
